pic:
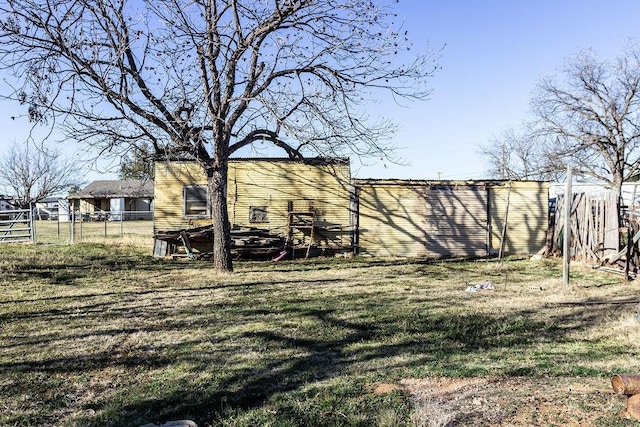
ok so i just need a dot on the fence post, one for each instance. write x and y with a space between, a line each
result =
630 234
503 234
566 247
72 225
32 224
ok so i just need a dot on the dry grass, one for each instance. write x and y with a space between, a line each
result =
127 233
105 335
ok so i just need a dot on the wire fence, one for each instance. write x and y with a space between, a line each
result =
129 227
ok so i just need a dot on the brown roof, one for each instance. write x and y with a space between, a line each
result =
111 189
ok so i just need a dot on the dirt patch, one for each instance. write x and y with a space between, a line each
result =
515 401
384 388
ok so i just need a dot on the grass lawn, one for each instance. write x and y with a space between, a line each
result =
95 335
110 232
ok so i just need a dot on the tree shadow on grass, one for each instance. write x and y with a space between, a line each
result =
443 341
298 344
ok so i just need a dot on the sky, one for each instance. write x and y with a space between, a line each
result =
492 52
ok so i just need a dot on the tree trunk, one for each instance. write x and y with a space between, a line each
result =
220 216
616 185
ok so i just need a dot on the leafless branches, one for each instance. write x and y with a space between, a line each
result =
33 174
196 77
516 155
589 116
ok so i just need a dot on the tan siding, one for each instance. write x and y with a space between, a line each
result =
396 218
272 184
387 222
410 219
86 206
457 220
527 219
323 189
170 179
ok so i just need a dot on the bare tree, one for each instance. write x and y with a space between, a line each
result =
33 174
516 155
589 116
205 78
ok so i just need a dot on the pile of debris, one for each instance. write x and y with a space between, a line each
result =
197 243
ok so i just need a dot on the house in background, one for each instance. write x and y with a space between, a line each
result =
115 199
6 203
52 208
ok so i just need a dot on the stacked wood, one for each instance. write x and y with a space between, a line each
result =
628 384
196 243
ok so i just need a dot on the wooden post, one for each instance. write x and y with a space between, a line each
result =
585 228
72 224
566 247
504 225
630 235
32 223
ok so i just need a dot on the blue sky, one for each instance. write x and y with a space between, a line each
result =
494 52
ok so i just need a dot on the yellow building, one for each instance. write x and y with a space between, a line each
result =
439 219
520 210
308 199
314 202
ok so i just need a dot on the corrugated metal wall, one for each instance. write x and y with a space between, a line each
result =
418 218
527 219
423 218
273 184
457 219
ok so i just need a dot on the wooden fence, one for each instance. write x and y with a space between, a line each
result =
595 227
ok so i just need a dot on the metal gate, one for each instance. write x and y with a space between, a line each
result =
16 226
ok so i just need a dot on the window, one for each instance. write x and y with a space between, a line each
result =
258 214
196 201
